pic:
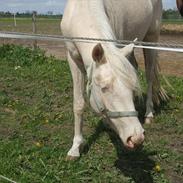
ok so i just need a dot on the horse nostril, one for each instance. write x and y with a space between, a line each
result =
128 139
144 132
130 143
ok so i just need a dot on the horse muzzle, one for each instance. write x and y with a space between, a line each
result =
134 141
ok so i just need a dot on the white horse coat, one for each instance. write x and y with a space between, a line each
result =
113 78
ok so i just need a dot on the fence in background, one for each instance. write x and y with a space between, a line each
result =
121 43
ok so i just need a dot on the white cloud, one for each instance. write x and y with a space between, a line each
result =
169 4
41 6
52 3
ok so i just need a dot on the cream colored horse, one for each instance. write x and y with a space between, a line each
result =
111 78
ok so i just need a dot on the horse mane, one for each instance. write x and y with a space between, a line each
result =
121 66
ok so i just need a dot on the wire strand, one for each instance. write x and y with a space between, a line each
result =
121 43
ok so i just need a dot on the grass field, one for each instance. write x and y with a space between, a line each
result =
172 21
52 25
36 129
44 25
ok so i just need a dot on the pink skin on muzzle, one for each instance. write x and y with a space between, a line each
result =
134 141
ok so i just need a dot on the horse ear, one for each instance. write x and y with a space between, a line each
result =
98 53
127 50
180 6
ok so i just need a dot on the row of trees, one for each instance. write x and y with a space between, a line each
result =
28 14
167 14
171 14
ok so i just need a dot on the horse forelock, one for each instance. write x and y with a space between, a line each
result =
122 68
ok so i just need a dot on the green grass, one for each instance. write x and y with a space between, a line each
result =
44 25
47 25
36 129
172 21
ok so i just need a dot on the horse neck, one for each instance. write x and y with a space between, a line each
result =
96 26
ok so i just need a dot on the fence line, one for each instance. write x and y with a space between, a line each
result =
121 43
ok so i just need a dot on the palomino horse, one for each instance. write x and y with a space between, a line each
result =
112 79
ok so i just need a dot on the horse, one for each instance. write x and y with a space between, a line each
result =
180 6
110 70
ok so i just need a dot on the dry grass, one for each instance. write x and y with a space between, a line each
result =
172 28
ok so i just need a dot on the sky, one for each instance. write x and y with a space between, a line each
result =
43 6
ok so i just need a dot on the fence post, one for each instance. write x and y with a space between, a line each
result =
15 21
34 28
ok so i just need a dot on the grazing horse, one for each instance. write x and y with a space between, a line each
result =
111 76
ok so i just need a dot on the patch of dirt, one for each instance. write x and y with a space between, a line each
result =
171 63
6 132
174 178
177 145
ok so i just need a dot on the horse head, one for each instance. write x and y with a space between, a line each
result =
112 96
180 6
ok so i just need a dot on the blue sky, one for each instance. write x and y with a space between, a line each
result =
43 6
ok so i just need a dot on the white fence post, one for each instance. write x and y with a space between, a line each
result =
15 21
34 28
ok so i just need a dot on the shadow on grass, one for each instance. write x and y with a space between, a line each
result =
137 164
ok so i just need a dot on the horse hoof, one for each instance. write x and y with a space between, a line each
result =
71 158
148 120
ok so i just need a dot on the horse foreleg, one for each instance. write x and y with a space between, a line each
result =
78 106
155 93
152 76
